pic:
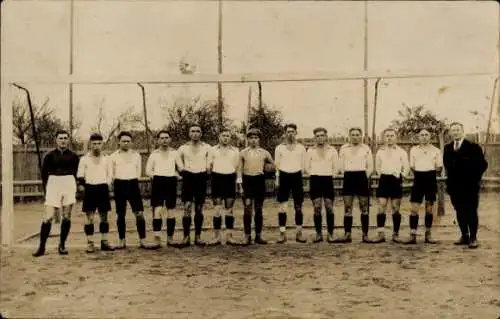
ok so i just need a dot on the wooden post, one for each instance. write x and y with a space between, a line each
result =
145 112
7 173
441 185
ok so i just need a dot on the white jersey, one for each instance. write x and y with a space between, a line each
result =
194 159
94 170
356 158
126 165
224 160
162 163
290 159
322 161
392 161
425 158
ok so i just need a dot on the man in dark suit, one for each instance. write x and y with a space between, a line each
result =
465 164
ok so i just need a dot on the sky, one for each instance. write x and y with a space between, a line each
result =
126 38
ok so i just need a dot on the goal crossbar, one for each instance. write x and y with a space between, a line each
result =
235 78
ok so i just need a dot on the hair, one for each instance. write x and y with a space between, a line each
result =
291 125
61 132
390 129
254 132
420 129
457 123
352 129
96 137
224 130
194 125
124 133
163 132
320 129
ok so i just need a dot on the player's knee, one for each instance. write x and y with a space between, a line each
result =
229 203
284 207
348 211
297 207
90 219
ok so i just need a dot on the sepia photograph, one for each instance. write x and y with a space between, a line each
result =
240 159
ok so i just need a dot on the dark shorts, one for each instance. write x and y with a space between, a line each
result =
127 191
254 187
424 185
321 187
223 185
96 197
164 191
291 182
356 184
194 187
390 186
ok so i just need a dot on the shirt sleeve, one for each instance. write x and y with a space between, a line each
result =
239 170
112 166
335 162
341 159
75 163
277 157
412 158
139 165
179 161
46 167
109 175
81 172
308 161
405 162
378 162
369 161
209 159
304 160
150 165
81 168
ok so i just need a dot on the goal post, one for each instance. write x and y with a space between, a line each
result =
7 170
7 217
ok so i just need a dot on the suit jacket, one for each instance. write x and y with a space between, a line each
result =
465 167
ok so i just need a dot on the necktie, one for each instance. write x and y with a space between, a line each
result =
457 145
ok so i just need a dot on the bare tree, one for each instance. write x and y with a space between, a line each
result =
46 122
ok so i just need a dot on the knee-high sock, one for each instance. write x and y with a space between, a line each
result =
170 226
89 231
381 219
157 225
65 227
318 221
44 233
396 222
198 223
258 220
413 224
365 223
347 224
282 221
140 224
299 217
247 220
217 221
428 219
104 230
186 225
121 225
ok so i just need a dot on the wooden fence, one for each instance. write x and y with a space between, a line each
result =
32 190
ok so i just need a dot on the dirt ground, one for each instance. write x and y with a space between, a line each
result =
275 281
